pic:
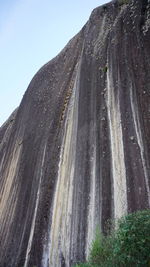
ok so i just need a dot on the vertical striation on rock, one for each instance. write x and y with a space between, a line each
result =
117 148
77 150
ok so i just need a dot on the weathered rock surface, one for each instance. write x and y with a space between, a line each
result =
77 150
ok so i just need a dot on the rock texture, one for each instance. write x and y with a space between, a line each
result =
77 150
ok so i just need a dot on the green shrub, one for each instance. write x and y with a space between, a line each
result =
132 240
127 246
101 249
123 2
105 69
82 265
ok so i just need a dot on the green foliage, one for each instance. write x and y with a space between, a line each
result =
127 246
105 69
101 249
132 240
83 265
123 2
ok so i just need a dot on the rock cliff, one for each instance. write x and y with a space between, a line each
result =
77 150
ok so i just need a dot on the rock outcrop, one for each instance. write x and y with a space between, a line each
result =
77 150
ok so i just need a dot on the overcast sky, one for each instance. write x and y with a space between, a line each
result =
31 33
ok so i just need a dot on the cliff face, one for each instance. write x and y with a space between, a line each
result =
77 150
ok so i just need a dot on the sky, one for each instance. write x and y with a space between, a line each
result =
32 32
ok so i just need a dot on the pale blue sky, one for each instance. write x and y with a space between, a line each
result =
31 33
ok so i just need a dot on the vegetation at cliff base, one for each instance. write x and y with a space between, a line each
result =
128 245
